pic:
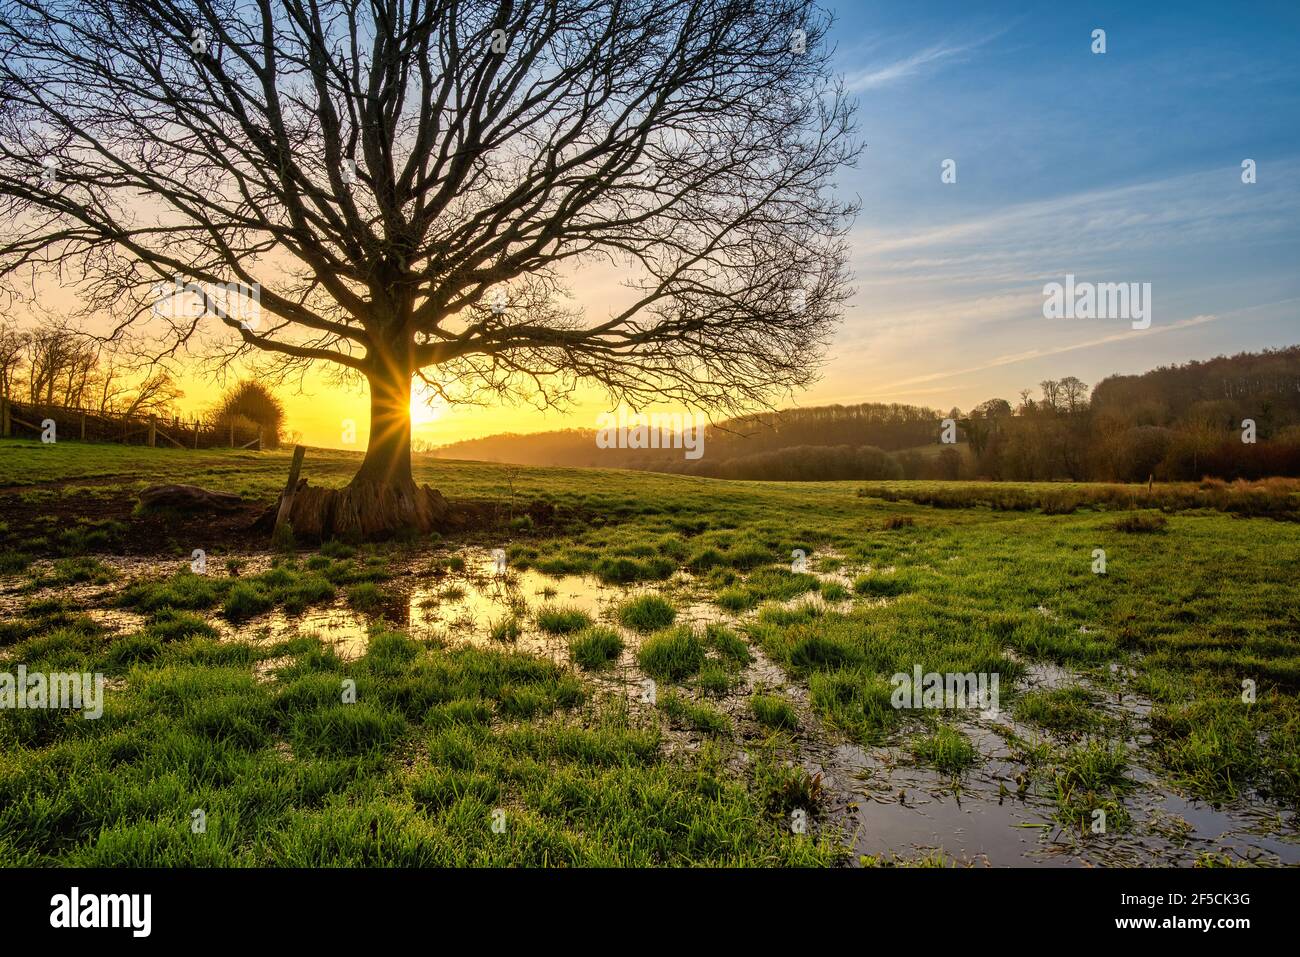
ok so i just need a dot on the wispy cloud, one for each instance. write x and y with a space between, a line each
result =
882 75
1206 205
894 388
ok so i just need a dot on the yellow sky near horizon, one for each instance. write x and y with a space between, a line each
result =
903 339
859 368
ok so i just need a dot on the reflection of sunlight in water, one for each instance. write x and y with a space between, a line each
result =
461 609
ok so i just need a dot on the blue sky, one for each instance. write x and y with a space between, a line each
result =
1116 167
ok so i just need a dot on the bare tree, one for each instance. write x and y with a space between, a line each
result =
153 393
55 356
1074 394
1051 394
13 344
412 184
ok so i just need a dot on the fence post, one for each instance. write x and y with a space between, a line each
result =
83 426
196 435
290 487
153 430
232 431
6 429
259 438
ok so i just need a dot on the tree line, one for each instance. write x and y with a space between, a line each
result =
1227 417
51 365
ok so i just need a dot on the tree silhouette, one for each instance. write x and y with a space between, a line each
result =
412 185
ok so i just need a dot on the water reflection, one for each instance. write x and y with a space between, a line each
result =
461 608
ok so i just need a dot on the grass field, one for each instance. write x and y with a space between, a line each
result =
671 671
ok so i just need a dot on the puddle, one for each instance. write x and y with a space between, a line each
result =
461 607
998 813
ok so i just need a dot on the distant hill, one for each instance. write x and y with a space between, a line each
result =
1264 386
1175 422
759 439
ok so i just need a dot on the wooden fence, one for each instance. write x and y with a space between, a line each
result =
32 421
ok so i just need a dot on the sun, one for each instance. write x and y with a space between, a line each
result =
426 405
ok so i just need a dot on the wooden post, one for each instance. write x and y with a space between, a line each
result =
259 438
83 426
196 435
232 431
6 428
290 487
153 430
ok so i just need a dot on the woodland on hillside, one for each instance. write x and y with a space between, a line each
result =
1179 422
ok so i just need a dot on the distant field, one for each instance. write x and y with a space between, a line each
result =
1164 693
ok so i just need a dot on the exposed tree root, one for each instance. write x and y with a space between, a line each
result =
367 511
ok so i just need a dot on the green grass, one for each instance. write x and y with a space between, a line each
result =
1091 778
672 655
366 596
595 648
690 714
882 585
946 749
284 586
562 621
646 613
1072 710
74 571
834 591
766 584
715 677
506 628
12 562
730 648
773 711
983 578
408 775
246 600
624 570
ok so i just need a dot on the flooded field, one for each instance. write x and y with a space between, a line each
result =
878 801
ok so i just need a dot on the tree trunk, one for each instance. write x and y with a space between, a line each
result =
388 453
382 500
